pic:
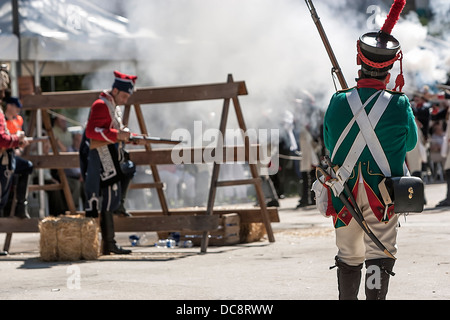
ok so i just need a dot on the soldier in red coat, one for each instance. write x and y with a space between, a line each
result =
104 164
8 142
23 169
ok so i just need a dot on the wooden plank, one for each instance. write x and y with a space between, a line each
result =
146 185
166 223
226 183
247 214
60 100
130 224
200 220
80 99
46 187
143 157
61 161
19 225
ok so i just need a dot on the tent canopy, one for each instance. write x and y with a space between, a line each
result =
62 32
8 47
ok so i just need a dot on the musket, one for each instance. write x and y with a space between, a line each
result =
135 138
356 212
443 86
336 68
156 140
36 139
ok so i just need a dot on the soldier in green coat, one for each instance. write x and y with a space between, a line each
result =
378 152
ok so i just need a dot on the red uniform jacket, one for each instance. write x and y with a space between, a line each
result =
102 123
7 140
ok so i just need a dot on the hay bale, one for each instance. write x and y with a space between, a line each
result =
68 233
90 245
69 238
48 242
251 232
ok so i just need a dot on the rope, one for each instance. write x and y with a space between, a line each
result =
400 80
378 65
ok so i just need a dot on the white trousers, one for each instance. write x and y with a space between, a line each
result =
354 246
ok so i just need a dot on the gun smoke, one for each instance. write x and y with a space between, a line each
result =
273 46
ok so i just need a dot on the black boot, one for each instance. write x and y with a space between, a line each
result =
107 228
121 211
125 183
21 197
349 279
377 278
447 178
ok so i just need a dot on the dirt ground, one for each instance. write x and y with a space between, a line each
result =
294 267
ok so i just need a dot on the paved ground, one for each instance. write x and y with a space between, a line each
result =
295 267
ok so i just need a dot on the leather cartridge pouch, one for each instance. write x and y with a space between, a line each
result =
406 193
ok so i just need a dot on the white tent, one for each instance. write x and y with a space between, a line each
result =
8 41
63 37
69 36
8 47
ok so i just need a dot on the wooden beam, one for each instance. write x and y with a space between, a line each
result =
143 157
19 225
146 185
166 223
46 187
50 161
80 99
247 214
129 224
179 220
226 183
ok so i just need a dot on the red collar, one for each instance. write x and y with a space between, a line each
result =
107 95
371 83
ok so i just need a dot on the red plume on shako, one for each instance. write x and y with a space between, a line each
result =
377 51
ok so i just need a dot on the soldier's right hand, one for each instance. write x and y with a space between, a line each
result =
123 135
22 139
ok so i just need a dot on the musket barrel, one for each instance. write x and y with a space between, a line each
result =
36 139
336 68
155 140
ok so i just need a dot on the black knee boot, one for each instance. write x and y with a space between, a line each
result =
121 210
107 228
21 197
447 178
349 279
377 278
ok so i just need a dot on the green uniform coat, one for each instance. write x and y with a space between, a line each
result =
397 133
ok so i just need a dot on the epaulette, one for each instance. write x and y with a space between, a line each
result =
345 90
394 92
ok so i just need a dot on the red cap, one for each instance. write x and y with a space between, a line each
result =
124 82
377 51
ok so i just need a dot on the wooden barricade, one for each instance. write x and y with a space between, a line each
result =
195 219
